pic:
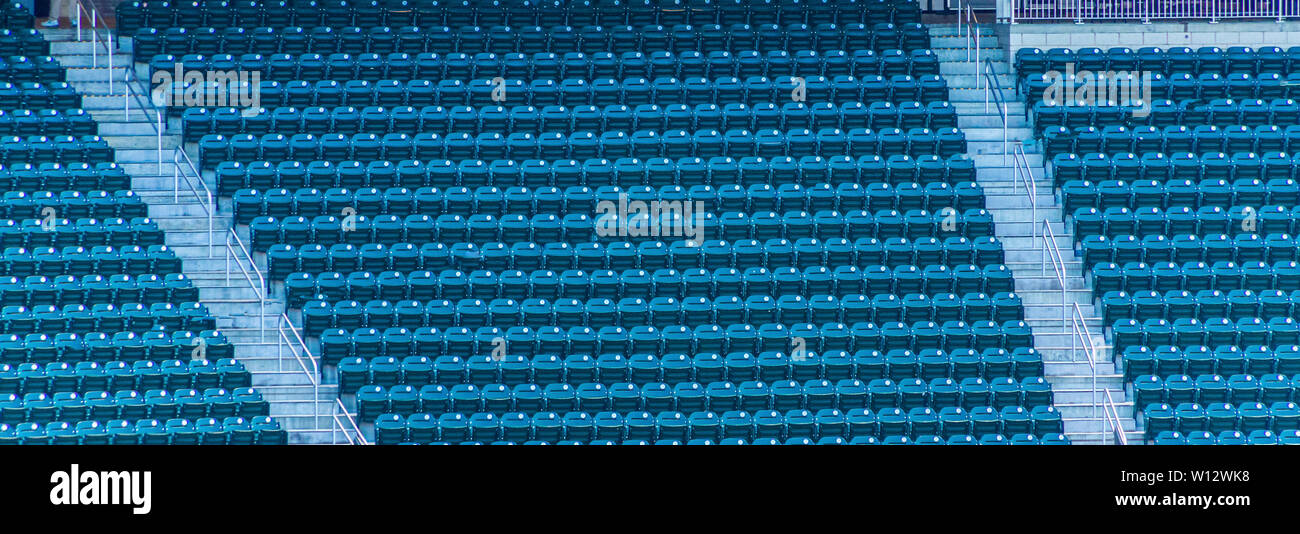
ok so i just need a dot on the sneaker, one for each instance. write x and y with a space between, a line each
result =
51 23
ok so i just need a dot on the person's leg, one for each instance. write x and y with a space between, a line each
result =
57 9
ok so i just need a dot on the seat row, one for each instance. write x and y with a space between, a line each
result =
103 347
716 171
1203 304
529 65
470 39
1160 167
41 69
1202 60
62 290
1228 437
519 285
82 261
1194 276
525 202
337 344
82 319
1214 332
36 95
493 280
28 42
1258 258
34 122
577 92
733 227
123 204
1250 418
63 149
661 312
1239 389
289 121
158 404
71 176
84 232
1207 220
932 365
611 145
261 430
958 439
657 397
139 375
1198 360
15 15
1212 192
366 13
1175 140
1163 113
763 427
1178 86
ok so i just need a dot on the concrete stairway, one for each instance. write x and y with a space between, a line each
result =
177 199
1020 230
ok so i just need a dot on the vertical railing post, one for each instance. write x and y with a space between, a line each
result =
110 62
212 208
159 113
78 10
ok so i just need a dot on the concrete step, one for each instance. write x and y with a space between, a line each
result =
84 59
992 120
957 53
101 74
979 80
955 62
971 107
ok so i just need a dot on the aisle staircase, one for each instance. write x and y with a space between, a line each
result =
1049 280
199 229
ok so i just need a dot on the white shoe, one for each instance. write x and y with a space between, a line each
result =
51 23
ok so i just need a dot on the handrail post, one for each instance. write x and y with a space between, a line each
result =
110 62
78 8
160 130
211 212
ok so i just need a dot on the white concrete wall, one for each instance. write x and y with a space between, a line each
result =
1164 35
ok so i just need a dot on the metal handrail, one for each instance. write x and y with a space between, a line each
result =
1051 252
993 89
206 200
1117 424
352 422
1023 172
97 23
234 245
1147 11
314 373
1079 330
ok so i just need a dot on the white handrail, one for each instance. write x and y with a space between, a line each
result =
97 24
206 199
1112 416
1023 172
1052 252
352 423
1148 10
1079 330
234 245
298 347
